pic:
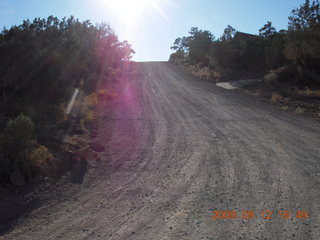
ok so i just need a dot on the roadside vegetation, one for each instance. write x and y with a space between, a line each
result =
43 63
289 59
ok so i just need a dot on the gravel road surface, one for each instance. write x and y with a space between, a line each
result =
177 149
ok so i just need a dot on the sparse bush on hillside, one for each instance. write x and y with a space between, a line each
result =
17 140
280 77
42 63
176 56
237 52
88 106
303 41
19 133
40 159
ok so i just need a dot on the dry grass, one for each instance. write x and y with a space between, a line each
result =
309 92
277 98
285 107
299 110
257 93
61 113
87 109
41 159
203 72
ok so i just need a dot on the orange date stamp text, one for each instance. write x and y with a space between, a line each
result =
265 214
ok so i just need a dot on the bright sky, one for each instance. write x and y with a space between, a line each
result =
151 26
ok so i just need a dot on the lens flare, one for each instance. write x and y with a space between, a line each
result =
130 11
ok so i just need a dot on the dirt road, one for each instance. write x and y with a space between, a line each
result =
179 148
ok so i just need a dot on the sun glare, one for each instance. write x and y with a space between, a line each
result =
129 11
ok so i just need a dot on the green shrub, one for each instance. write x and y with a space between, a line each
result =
15 142
19 132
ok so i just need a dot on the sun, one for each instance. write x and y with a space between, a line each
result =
129 11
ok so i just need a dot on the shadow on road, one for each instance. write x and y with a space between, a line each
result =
15 207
